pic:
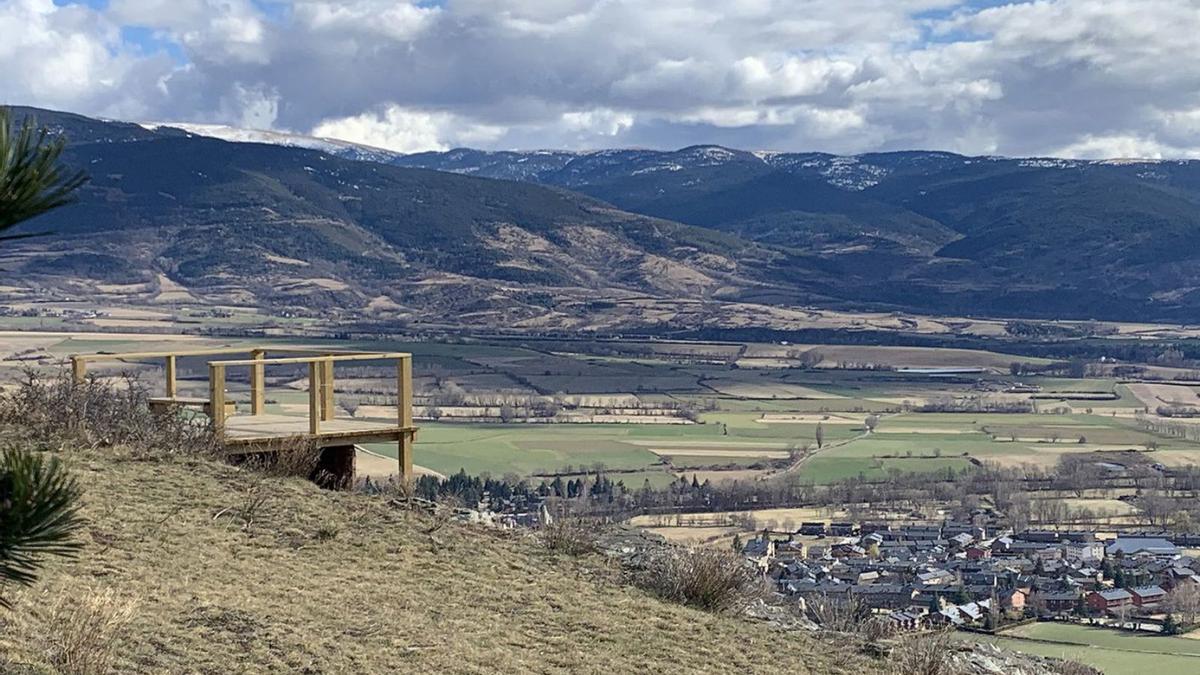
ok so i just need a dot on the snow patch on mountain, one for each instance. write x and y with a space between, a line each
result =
1048 163
331 146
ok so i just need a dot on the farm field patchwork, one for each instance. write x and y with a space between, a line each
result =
749 418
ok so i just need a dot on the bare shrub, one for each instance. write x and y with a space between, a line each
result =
254 498
1075 668
846 615
52 412
572 536
929 654
83 632
287 458
714 580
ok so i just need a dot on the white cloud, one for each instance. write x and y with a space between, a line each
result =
1035 77
1121 146
251 107
601 121
387 19
58 56
406 130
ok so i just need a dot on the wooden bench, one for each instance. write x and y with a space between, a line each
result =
166 403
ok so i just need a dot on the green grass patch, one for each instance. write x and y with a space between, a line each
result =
822 469
1114 652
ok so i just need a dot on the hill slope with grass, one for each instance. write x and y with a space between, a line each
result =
192 566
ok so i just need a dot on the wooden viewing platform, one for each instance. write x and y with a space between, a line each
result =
258 432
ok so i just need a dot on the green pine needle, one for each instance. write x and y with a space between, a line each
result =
32 181
39 514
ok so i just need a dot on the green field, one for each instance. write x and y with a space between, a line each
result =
751 415
1114 652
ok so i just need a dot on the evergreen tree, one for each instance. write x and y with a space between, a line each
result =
1170 626
38 500
961 596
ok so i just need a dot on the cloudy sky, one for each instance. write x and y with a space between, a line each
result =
1080 78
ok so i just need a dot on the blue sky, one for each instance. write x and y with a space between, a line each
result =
1046 77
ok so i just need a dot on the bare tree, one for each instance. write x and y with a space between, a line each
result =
1184 600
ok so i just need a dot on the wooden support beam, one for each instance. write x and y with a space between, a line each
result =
314 397
172 384
327 410
216 395
404 414
78 369
257 388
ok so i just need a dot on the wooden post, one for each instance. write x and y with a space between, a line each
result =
257 373
327 410
172 387
78 369
314 397
404 395
216 395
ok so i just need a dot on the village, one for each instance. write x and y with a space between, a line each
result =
975 578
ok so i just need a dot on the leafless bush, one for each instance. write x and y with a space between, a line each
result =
83 632
287 458
714 580
1075 668
253 497
846 615
572 536
52 412
930 654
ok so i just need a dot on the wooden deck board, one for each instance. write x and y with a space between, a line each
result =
257 429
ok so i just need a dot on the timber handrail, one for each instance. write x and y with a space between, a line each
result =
320 390
216 351
320 382
79 362
119 356
324 356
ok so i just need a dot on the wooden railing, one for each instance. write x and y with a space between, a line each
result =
320 362
320 383
79 365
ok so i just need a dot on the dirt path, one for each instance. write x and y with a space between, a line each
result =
800 462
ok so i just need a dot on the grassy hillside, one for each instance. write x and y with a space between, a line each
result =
223 570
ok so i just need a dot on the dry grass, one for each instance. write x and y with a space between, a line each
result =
321 581
83 628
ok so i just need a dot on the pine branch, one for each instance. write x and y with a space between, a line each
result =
32 181
39 514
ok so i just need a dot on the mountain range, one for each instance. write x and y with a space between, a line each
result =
704 235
